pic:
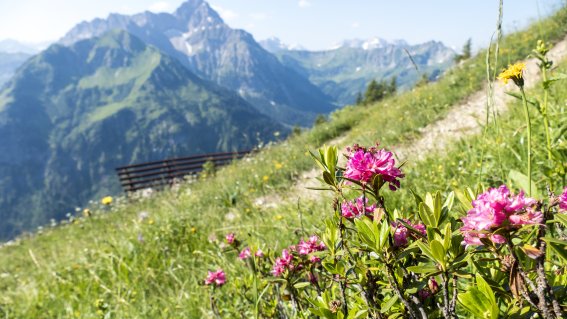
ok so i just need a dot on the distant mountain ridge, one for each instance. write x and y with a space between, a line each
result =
72 114
348 67
9 63
197 36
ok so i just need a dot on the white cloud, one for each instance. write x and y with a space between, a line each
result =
355 25
160 6
226 14
304 3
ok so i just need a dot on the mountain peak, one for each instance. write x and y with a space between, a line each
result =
197 9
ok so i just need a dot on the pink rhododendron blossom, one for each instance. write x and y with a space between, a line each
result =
563 200
304 248
400 236
230 238
421 229
357 208
498 208
364 164
282 263
314 259
309 246
245 253
217 278
401 233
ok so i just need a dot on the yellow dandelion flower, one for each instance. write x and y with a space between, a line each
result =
278 217
278 165
514 72
193 229
106 200
151 221
266 178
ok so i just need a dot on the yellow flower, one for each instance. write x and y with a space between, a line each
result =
265 178
514 73
193 229
278 165
106 200
278 217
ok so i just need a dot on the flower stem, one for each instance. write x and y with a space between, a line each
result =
544 113
529 138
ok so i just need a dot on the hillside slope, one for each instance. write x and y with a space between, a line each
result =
72 114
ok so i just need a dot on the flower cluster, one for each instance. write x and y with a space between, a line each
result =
498 208
246 253
357 208
563 200
513 72
217 278
366 163
304 250
230 238
401 233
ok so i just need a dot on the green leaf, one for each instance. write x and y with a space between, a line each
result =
384 232
422 269
522 181
475 303
447 237
301 285
438 252
388 304
449 201
559 249
483 286
418 198
368 232
424 215
562 218
425 250
464 199
328 178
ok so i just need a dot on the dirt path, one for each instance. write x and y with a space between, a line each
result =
462 120
468 118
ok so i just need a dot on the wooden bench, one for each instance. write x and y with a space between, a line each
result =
158 174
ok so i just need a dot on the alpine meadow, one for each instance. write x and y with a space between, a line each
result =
382 179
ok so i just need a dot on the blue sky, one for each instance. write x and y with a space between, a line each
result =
314 24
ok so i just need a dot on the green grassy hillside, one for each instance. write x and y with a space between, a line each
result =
147 257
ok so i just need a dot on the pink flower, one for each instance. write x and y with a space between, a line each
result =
217 278
357 208
421 229
401 233
259 253
230 238
245 253
563 200
282 263
314 259
498 208
309 246
363 164
529 218
400 236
